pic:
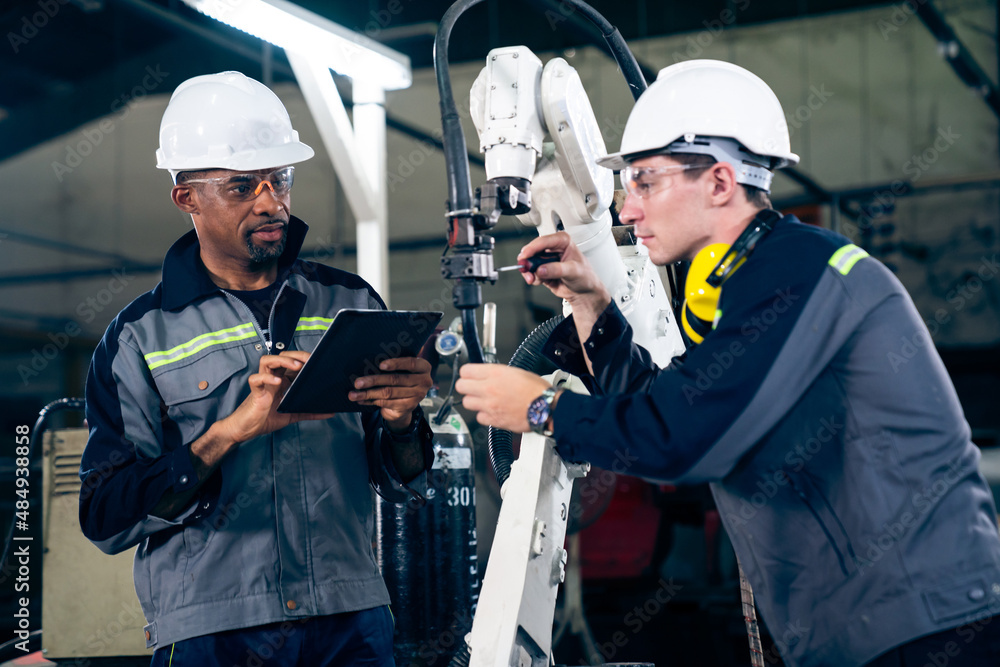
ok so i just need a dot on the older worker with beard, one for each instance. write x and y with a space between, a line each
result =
255 527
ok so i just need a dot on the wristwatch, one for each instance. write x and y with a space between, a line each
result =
540 410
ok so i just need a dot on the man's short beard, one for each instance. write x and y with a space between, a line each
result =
261 256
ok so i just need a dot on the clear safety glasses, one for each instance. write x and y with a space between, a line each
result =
644 182
246 186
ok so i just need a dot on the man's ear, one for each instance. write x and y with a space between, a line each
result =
724 185
184 198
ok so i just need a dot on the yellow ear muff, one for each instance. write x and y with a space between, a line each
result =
701 300
718 261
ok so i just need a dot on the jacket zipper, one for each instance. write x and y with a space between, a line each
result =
253 319
274 305
267 345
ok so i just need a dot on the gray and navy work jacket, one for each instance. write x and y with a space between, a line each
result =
839 456
283 528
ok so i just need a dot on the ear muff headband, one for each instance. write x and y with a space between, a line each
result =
760 227
710 268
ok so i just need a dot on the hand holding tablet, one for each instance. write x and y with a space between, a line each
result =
354 346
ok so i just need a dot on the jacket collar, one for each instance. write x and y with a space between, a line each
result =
185 278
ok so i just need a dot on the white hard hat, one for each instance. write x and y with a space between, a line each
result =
226 121
709 107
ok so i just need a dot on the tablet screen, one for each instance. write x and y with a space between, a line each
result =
354 346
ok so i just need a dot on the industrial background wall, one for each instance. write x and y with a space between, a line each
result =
897 132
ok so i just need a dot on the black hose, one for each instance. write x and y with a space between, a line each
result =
36 433
456 156
456 161
54 406
619 49
626 61
471 336
528 356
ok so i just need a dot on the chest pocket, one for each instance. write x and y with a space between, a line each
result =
308 339
199 393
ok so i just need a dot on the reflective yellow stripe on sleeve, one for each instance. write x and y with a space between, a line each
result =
845 258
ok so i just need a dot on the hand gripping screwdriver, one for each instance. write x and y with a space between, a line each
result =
531 264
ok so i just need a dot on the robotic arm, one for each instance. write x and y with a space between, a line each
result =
469 261
556 185
517 104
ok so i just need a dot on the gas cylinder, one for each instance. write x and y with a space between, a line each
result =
428 554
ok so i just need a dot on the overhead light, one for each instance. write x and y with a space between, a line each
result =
293 28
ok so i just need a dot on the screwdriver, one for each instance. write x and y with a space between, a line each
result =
531 264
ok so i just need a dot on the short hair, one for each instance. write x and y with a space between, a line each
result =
755 196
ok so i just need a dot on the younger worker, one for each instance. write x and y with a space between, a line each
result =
846 479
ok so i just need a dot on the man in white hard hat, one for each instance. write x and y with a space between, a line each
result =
255 527
815 404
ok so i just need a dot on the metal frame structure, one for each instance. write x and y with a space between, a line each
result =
358 152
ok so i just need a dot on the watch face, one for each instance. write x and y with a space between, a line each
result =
538 412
